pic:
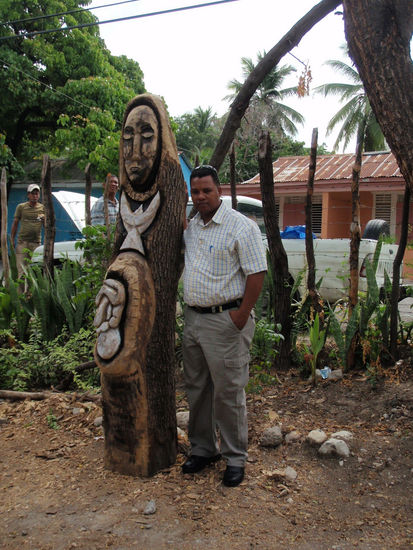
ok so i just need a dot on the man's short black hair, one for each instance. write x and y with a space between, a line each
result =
205 170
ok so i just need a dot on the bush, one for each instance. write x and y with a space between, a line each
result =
40 364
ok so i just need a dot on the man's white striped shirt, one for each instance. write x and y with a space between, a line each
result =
219 256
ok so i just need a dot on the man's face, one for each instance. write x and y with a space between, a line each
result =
113 185
140 144
33 196
206 196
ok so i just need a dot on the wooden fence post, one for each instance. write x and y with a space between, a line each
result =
88 192
4 247
50 220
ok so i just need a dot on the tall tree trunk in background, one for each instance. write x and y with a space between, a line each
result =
232 178
50 220
378 34
278 256
4 247
395 291
273 57
355 236
88 192
309 245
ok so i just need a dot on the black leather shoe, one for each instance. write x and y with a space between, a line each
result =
233 476
196 463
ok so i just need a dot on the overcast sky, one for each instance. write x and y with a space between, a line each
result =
189 57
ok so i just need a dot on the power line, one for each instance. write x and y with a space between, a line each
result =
78 10
83 25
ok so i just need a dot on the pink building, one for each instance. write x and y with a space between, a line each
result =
381 194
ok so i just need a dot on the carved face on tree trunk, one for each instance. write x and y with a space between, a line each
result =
140 146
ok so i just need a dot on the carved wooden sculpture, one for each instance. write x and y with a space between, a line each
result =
135 317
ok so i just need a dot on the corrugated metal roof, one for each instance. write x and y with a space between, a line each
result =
334 167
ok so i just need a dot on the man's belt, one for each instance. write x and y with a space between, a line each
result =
216 309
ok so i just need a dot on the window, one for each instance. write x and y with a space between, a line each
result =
385 209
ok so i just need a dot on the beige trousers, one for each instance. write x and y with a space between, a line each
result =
216 358
23 257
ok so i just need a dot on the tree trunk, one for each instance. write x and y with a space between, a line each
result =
378 34
232 178
278 256
50 220
355 233
395 291
4 247
355 236
309 245
88 192
138 370
273 57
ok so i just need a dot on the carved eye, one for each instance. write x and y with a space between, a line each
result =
128 133
147 133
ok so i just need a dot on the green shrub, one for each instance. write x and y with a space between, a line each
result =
39 364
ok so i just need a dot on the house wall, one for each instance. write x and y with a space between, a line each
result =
294 214
336 215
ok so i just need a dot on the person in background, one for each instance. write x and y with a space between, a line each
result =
98 211
30 216
225 265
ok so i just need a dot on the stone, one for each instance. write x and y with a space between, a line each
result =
271 437
98 421
316 437
150 508
182 419
292 437
290 474
334 447
77 410
344 435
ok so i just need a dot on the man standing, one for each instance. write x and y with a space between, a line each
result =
225 265
30 215
98 211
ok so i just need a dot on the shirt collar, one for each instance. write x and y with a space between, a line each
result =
218 217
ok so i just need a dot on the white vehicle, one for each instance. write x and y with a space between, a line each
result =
74 204
331 255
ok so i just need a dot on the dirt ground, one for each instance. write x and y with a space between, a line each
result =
56 494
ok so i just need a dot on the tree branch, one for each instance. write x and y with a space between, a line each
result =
272 58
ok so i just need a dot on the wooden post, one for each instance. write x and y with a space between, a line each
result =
355 233
232 177
395 291
88 192
278 256
309 245
50 220
355 236
105 205
135 317
4 247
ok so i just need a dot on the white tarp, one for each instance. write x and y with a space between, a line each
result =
74 204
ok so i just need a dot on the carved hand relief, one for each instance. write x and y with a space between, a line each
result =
140 149
137 222
110 303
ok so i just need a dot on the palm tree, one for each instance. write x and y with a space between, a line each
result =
355 112
265 106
